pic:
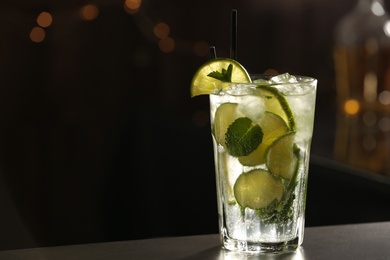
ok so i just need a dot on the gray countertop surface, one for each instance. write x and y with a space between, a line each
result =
354 241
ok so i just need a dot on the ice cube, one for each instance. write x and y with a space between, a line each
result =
251 107
284 78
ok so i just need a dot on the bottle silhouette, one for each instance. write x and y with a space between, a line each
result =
362 67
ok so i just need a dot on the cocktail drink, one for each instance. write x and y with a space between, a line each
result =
262 133
262 130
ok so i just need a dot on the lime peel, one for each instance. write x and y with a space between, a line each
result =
285 112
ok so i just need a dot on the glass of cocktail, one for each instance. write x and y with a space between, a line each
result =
262 129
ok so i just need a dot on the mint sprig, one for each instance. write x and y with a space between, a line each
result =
282 212
225 75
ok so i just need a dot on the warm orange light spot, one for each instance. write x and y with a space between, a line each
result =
133 4
351 107
166 44
271 72
37 34
161 30
201 48
89 12
44 19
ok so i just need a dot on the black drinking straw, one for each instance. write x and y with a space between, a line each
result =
213 53
233 36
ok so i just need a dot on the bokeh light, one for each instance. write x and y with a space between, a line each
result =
166 44
384 97
270 72
44 19
132 6
161 30
351 107
201 48
89 12
37 34
384 124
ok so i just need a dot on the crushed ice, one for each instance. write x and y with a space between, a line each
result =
252 107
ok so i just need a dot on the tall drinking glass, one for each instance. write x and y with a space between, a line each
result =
262 133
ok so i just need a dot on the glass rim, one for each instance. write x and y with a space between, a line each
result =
301 79
302 85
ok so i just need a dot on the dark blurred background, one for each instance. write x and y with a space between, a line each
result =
99 138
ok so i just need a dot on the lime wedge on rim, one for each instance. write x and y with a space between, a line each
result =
257 189
202 84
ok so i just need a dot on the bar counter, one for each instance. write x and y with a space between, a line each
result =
355 241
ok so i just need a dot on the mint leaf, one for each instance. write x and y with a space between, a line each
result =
243 137
280 212
225 75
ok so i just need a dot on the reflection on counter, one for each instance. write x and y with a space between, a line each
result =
298 254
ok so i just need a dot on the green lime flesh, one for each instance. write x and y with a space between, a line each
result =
281 159
273 127
257 189
224 117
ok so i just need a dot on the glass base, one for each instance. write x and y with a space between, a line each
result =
260 247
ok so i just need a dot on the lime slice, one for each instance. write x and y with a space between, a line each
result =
276 103
257 189
273 127
225 115
202 84
281 159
